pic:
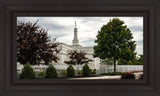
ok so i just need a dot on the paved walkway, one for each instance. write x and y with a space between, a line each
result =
99 77
137 76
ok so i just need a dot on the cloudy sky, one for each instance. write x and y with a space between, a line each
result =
62 28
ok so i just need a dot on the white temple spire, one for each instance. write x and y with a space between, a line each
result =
75 40
75 24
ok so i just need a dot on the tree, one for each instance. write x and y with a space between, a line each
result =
33 44
77 58
136 61
114 40
125 62
107 61
140 58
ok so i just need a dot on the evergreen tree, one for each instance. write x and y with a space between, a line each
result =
86 70
70 71
27 72
51 72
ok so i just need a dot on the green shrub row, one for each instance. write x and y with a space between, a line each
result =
28 72
51 72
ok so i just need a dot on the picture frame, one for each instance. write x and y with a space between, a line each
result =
10 86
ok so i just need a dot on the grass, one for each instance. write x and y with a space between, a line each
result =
113 73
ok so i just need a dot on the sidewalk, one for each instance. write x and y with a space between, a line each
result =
115 77
99 77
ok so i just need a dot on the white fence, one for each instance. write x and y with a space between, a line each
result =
42 67
103 68
120 68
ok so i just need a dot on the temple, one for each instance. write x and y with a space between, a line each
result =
63 55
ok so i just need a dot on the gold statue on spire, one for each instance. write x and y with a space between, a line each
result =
75 24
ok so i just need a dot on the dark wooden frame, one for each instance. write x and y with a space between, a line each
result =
10 9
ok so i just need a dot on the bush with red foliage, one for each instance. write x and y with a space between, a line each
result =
128 75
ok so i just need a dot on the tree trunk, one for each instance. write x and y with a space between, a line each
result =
114 61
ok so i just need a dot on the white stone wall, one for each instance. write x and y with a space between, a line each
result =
67 48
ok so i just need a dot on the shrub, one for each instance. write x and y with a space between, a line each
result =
64 73
128 76
90 71
94 72
86 70
70 71
80 73
42 74
51 72
27 72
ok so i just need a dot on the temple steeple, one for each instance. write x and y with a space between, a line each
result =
75 24
75 40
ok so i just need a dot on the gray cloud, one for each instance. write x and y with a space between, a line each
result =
62 28
53 26
139 42
137 28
